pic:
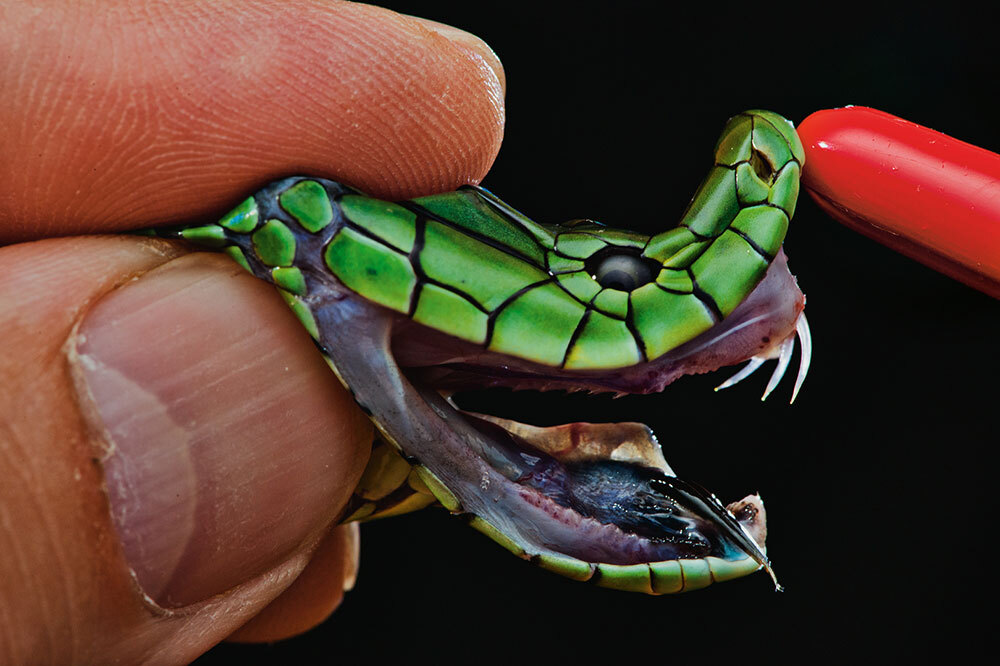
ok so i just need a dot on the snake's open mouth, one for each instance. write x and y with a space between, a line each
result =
601 493
612 483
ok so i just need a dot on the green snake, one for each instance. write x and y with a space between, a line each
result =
411 301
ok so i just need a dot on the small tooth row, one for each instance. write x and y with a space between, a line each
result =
668 577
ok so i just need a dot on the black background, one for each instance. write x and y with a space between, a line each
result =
878 481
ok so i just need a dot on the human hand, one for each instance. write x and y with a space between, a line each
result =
172 448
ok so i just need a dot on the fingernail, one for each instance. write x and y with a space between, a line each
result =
225 440
352 540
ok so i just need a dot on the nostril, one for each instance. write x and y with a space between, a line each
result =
762 167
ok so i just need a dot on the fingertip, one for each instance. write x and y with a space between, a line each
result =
314 595
474 46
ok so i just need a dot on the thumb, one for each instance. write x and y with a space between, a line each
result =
172 450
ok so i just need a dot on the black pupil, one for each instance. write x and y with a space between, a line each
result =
623 271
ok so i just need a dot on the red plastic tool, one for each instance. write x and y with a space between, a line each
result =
930 196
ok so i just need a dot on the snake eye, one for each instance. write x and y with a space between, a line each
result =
622 271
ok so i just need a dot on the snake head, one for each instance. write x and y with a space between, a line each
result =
414 301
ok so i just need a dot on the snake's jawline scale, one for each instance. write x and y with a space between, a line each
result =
413 300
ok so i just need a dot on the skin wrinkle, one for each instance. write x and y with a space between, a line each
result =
116 108
28 473
37 87
425 122
392 108
6 621
12 544
146 138
68 600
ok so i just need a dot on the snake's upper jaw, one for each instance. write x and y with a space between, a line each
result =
763 326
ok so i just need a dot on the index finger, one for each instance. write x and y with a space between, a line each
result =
149 112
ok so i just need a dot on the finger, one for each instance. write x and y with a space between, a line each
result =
313 596
173 448
474 47
147 112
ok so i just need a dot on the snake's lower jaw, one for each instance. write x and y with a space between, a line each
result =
627 443
611 510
